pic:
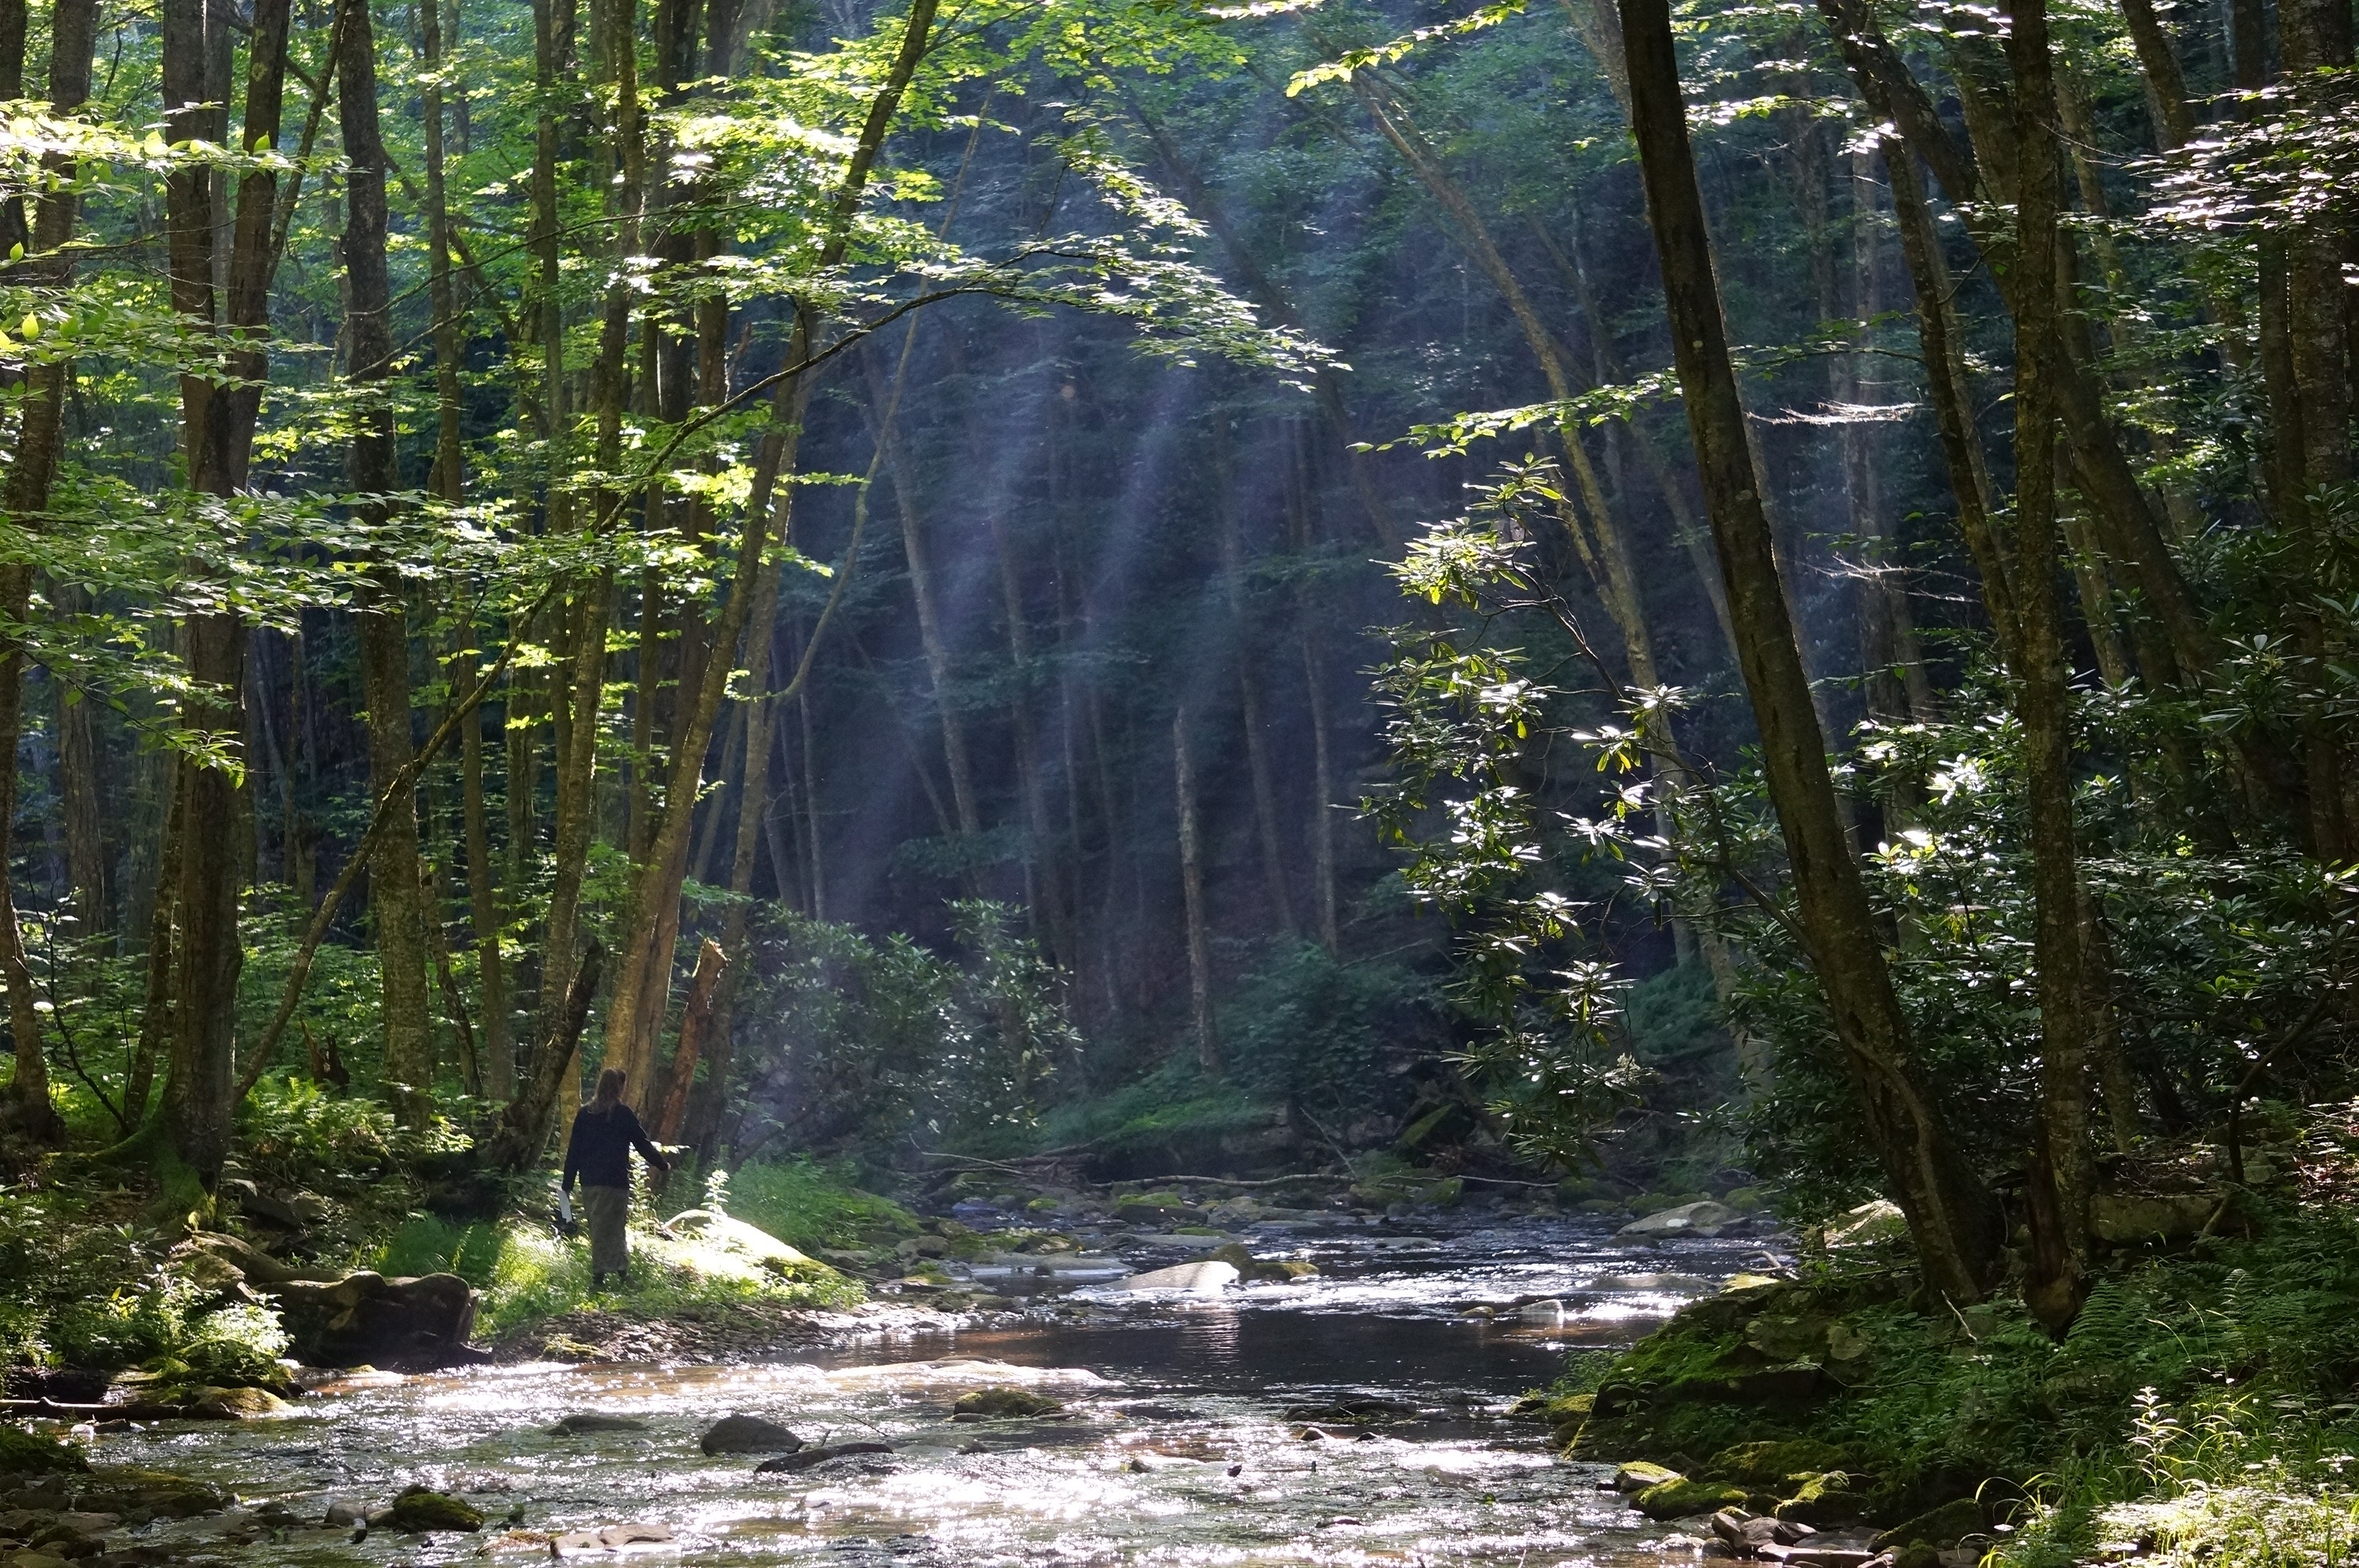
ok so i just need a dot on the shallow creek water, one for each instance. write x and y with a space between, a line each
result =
1178 1447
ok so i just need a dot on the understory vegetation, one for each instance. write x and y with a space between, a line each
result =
2199 1409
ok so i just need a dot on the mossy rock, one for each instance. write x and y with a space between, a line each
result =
1825 1499
140 1494
1681 1497
1003 1403
1132 1209
421 1511
236 1404
1566 1417
1774 1461
1637 1476
25 1453
1261 1271
1944 1526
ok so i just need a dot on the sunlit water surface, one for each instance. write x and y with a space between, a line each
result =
1178 1446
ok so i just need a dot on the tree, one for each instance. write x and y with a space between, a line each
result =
1950 1214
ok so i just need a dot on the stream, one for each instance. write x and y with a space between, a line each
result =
1185 1438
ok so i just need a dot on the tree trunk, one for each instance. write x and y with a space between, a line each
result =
217 437
643 977
73 30
2117 502
27 1108
1938 333
1898 690
696 1021
2311 38
702 1122
2057 1277
933 643
455 1000
1950 1214
497 1060
523 1132
1191 888
1044 881
2166 85
395 884
78 770
1244 648
1307 624
157 1029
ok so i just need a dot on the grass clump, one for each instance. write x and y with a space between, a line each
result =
808 1205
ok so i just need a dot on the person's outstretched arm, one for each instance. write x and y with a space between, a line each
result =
646 1146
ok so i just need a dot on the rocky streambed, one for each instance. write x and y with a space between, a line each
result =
1297 1387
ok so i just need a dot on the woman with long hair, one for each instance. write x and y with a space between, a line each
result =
606 1131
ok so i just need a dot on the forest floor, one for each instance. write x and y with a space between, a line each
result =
2202 1408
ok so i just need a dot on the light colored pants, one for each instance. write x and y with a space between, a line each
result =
605 1209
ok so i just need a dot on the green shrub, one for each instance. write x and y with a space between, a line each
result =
23 1452
425 1245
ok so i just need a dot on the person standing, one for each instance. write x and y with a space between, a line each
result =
606 1131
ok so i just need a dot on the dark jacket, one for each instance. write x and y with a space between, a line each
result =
600 1150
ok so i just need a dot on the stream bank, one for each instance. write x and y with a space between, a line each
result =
1363 1411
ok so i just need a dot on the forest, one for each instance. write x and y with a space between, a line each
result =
1712 644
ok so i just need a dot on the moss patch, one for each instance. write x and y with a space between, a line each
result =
1835 1497
1680 1498
1774 1461
1002 1404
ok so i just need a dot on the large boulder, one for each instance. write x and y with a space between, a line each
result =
2168 1216
405 1324
1638 1474
1196 1278
1830 1498
1705 1219
1770 1462
1000 1402
422 1510
138 1495
727 1234
748 1435
1680 1498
